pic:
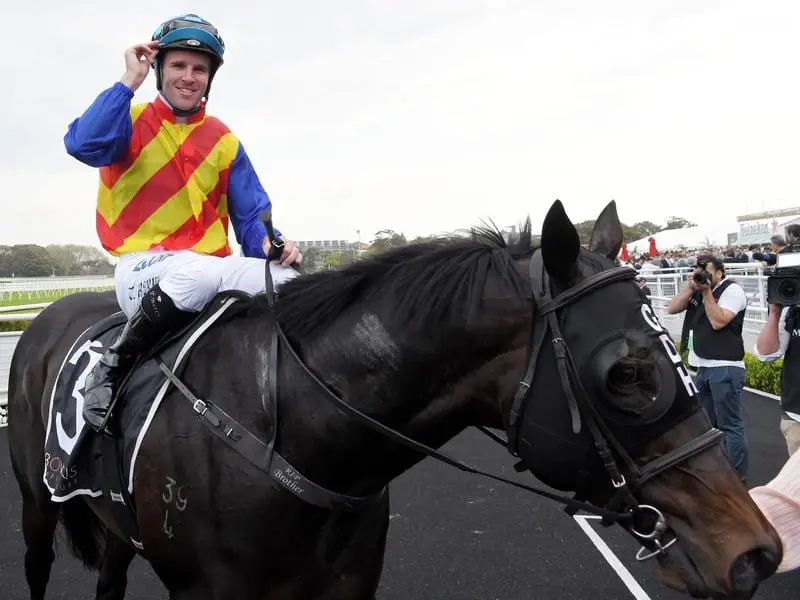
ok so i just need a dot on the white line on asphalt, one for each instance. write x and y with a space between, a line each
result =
614 562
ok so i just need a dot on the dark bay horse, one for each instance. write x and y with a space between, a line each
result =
556 345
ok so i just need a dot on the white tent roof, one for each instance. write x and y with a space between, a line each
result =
689 237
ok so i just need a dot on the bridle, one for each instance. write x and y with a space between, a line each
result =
644 521
583 409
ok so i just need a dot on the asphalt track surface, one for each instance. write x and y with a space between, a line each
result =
455 536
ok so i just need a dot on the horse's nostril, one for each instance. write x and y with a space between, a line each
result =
751 568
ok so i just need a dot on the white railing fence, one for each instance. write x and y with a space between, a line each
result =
36 287
8 340
663 284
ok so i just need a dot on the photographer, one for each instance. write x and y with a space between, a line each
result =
780 337
712 330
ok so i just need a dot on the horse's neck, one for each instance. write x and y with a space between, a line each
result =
430 399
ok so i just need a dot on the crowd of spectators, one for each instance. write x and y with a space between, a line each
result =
754 253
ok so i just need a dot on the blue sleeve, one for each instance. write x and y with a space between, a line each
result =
102 134
246 201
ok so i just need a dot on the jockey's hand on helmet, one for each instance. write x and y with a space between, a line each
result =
291 252
138 59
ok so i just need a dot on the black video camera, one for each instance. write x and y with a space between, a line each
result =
783 281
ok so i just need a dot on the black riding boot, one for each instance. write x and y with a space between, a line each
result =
156 317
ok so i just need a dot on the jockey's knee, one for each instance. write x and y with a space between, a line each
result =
191 289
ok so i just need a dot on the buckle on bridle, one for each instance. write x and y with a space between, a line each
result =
619 483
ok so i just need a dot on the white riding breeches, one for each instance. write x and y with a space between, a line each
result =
190 279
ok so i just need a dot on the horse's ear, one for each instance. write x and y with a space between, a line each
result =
560 243
607 233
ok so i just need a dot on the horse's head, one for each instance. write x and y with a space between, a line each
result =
606 409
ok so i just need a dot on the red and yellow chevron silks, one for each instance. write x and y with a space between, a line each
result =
169 190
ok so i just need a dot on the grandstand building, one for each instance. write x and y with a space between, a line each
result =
326 245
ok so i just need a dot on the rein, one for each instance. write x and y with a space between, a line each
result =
400 438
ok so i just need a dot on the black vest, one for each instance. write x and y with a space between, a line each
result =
710 343
790 374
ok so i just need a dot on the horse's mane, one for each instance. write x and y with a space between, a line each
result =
426 283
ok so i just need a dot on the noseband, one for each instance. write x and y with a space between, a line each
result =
584 410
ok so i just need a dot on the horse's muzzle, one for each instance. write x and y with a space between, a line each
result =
750 569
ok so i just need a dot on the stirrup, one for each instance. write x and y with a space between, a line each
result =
102 427
104 422
102 410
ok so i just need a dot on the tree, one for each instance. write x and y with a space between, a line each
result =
348 257
647 228
368 253
678 223
72 259
30 260
629 232
422 239
62 259
312 259
639 230
386 239
5 261
91 260
585 229
333 260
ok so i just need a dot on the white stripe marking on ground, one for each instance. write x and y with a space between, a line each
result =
611 558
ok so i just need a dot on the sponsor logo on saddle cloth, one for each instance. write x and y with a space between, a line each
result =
72 459
65 464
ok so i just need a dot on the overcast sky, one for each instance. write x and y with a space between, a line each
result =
430 115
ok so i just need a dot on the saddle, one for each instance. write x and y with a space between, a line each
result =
80 461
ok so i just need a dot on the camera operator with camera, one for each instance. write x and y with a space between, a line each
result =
780 337
712 330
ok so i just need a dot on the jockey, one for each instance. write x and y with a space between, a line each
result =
170 178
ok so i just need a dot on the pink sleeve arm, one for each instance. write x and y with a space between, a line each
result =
779 500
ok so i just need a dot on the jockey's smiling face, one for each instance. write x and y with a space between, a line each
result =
185 78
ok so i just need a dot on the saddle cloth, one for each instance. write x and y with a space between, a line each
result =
73 454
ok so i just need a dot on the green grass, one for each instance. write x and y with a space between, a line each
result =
21 298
